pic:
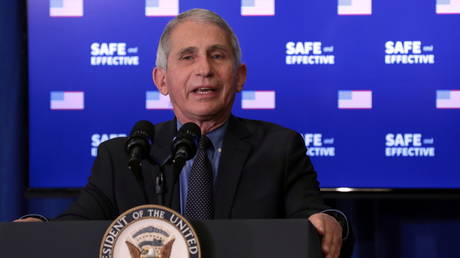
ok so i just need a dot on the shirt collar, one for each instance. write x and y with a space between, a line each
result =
216 136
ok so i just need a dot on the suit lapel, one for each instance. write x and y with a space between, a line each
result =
235 152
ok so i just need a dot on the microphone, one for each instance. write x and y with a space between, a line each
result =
184 144
138 144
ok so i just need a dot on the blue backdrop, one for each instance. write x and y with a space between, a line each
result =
421 226
371 85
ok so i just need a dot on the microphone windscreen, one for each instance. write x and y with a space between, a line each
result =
143 128
190 129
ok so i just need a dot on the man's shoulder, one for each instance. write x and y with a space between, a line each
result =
166 125
121 141
114 143
264 127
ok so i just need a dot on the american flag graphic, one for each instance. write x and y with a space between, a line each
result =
161 8
355 99
66 8
448 6
257 7
258 100
155 100
354 7
448 99
67 100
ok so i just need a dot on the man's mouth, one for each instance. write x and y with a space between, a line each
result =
204 90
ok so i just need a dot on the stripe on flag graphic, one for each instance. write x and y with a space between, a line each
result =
257 7
448 6
446 99
161 7
66 8
67 100
155 100
355 99
354 7
258 100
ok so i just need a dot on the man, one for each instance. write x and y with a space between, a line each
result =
259 170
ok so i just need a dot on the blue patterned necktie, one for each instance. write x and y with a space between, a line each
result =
199 205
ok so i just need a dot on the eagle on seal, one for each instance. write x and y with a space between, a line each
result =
147 251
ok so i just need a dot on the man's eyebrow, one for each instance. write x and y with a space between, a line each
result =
218 47
187 50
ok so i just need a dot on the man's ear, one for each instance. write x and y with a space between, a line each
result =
240 77
159 78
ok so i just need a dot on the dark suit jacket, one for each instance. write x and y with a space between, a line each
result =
263 173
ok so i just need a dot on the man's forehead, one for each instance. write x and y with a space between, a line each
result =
194 34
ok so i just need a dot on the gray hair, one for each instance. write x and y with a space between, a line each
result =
199 15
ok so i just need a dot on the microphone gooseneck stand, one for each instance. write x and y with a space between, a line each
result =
159 178
177 164
137 171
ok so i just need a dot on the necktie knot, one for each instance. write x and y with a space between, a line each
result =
205 143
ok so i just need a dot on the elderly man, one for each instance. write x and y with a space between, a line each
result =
256 169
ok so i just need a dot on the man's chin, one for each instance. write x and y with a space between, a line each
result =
209 114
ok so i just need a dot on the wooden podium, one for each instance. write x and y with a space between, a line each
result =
218 239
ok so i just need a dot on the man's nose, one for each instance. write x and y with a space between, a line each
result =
204 67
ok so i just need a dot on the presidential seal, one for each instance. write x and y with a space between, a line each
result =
150 231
